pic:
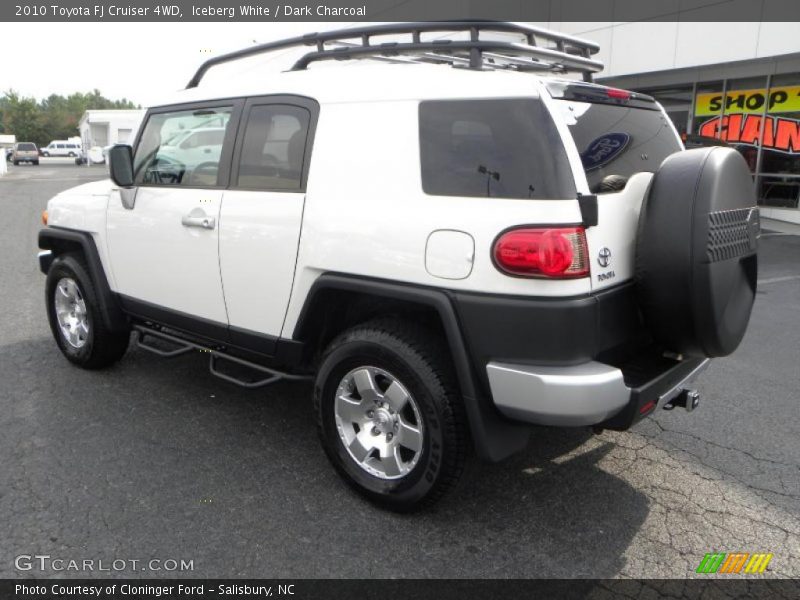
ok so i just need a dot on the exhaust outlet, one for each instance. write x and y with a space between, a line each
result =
688 399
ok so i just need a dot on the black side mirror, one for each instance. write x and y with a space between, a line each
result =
120 165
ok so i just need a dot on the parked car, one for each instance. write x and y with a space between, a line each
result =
25 152
437 248
62 148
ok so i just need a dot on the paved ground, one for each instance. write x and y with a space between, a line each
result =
155 459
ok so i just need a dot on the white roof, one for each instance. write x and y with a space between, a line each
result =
363 81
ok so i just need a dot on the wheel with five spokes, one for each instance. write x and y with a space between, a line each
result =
389 414
73 311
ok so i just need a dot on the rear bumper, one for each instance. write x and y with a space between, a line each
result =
591 393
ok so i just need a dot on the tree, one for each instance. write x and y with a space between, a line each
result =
55 117
22 117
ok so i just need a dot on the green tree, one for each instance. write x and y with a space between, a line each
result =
53 118
22 117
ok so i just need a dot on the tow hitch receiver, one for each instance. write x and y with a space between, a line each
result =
688 399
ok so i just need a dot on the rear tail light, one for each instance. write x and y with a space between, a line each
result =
556 252
618 94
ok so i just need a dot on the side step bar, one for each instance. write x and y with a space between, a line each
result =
184 346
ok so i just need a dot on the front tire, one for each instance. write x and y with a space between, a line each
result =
389 414
74 315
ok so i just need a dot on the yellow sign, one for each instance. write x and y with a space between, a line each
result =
780 99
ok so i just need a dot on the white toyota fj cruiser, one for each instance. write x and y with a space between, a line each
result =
451 240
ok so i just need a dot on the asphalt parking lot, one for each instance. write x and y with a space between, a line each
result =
157 459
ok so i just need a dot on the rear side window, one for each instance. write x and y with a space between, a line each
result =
617 141
499 148
26 147
273 149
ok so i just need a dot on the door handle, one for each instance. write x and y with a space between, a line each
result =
201 221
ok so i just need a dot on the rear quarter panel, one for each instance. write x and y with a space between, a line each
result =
366 213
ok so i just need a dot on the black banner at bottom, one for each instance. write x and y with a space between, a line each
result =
392 589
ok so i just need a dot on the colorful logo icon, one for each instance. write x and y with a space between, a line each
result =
737 562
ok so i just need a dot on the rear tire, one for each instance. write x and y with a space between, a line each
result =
389 414
75 319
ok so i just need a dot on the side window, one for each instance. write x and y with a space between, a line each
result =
182 147
61 146
274 147
504 148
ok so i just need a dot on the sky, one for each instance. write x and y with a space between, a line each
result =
139 61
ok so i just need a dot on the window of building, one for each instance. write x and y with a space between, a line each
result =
779 184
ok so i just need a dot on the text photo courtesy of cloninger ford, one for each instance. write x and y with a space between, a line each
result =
479 301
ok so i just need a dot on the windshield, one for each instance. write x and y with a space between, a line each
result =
617 141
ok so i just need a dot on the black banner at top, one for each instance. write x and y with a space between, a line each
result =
398 10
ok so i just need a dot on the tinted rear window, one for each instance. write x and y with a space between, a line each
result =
618 140
26 147
492 148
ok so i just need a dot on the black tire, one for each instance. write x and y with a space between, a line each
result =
696 252
418 360
101 347
36 162
16 163
45 154
71 155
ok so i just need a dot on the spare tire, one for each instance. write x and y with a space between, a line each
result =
696 252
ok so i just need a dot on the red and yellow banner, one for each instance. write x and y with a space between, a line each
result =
780 134
779 100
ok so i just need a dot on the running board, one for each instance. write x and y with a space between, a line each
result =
184 346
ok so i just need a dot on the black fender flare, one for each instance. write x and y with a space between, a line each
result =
494 437
61 241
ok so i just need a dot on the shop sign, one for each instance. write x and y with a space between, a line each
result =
780 134
779 99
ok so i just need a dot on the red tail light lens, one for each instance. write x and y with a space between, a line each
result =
558 252
618 94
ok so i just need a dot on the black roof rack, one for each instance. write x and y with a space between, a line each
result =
542 49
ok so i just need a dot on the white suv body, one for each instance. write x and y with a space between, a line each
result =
345 205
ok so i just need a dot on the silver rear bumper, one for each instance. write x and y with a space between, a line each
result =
585 394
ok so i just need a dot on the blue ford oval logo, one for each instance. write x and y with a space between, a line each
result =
604 149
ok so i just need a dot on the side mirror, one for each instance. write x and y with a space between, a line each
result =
120 165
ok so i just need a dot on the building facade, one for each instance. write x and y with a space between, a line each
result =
100 128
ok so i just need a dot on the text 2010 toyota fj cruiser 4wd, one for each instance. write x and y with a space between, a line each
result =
450 240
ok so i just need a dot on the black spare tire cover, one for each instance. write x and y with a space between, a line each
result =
696 261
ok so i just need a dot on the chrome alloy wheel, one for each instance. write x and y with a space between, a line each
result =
378 422
71 312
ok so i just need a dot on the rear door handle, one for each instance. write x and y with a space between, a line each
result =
198 221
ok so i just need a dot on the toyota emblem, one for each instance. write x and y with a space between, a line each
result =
604 257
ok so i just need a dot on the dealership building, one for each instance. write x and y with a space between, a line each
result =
720 83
